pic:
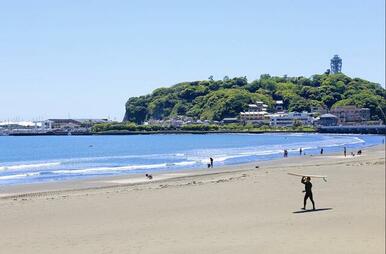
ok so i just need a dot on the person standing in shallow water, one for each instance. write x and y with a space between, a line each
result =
344 151
321 151
211 162
308 190
300 151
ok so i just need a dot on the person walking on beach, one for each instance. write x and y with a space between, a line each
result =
308 190
344 151
211 162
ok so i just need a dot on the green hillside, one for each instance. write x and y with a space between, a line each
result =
217 99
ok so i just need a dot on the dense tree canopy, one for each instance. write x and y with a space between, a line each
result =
215 99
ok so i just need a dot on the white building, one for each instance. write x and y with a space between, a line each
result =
279 106
254 116
257 113
289 119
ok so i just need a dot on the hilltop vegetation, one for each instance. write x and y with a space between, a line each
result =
217 99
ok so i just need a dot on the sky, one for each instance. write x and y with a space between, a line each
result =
84 59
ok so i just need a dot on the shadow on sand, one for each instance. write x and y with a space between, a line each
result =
316 210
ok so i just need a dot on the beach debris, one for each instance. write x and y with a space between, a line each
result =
257 166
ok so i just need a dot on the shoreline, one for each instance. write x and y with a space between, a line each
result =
130 180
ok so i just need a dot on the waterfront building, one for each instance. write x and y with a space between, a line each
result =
254 117
18 124
63 124
347 114
50 126
27 127
71 124
328 120
289 119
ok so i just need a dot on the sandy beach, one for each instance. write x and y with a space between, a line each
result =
233 209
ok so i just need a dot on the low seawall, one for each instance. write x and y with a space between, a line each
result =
362 129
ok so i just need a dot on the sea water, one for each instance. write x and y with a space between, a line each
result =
33 159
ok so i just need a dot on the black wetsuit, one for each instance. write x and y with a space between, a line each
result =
308 187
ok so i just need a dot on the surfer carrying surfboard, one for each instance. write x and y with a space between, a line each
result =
308 186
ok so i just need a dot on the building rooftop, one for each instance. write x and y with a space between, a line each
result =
230 119
328 116
254 113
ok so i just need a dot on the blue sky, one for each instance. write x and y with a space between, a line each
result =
86 58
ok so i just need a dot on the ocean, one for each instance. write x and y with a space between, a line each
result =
36 159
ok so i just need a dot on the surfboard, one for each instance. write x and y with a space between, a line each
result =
312 176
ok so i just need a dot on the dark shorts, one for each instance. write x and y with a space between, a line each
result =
308 195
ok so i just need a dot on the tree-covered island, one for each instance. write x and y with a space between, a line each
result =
203 105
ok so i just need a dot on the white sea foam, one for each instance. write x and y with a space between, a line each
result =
224 154
29 166
109 169
18 176
118 157
182 163
101 170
